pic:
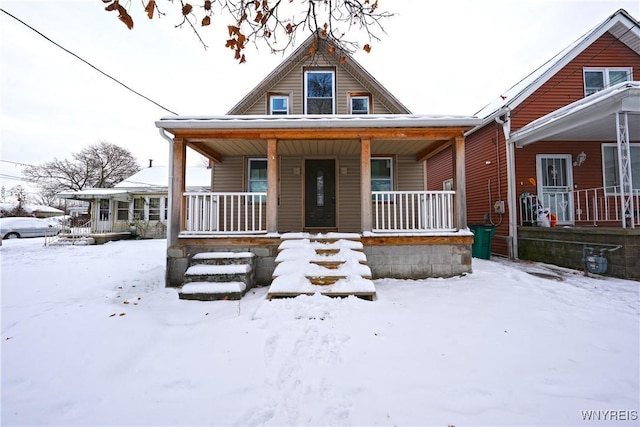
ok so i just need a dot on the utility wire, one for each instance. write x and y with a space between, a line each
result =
88 63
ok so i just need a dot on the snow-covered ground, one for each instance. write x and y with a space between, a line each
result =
90 336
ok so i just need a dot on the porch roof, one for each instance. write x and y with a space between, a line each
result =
588 119
419 134
94 193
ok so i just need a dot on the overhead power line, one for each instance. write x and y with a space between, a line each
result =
88 63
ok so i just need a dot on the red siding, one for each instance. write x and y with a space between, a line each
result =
439 169
567 86
488 144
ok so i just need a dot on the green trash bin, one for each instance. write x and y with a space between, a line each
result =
482 238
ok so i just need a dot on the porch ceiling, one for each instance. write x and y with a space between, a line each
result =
219 136
336 147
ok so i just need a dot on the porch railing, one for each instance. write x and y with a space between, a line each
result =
595 206
412 211
225 213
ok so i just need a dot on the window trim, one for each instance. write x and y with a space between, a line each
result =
605 76
360 95
447 184
320 70
273 96
606 187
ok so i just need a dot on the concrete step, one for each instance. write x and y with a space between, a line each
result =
212 291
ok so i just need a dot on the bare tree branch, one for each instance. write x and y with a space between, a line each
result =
275 23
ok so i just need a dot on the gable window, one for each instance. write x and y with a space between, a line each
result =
610 167
360 104
319 90
278 105
596 79
382 174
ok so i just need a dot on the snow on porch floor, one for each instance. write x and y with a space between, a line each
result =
302 260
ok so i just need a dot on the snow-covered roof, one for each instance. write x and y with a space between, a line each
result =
158 177
30 208
583 118
92 193
621 24
294 121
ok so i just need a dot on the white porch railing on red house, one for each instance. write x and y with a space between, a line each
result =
225 213
412 211
595 206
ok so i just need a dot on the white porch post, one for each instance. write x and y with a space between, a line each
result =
366 219
459 183
272 186
176 189
624 169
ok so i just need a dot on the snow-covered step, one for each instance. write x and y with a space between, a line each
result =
223 258
218 275
333 264
211 291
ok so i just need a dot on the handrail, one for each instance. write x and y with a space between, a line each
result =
592 206
225 212
412 211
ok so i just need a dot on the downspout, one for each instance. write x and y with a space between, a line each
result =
512 203
163 134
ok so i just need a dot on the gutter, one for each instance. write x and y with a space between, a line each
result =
164 135
512 202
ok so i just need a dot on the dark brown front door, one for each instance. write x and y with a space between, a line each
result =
320 193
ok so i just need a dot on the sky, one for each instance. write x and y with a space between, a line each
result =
91 337
441 57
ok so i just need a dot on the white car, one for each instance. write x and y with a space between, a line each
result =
16 227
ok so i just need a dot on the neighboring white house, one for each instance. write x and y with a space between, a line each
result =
139 203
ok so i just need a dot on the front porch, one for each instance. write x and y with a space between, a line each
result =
327 174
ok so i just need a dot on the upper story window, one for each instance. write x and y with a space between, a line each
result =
610 167
319 91
278 104
360 104
596 79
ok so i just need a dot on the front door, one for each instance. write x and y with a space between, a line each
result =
555 185
319 193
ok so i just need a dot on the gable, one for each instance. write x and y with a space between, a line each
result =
621 26
288 79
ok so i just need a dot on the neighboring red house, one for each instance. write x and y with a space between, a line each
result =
548 149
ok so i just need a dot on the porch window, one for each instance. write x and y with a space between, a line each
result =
154 209
138 208
257 176
382 174
360 104
447 185
103 209
610 167
122 211
319 89
278 105
596 79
